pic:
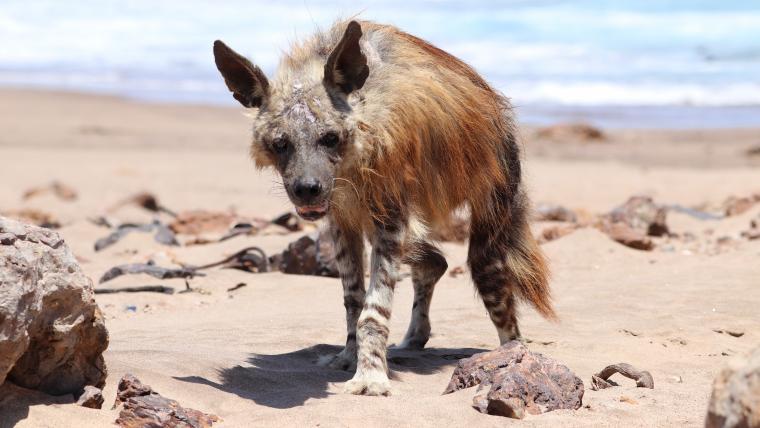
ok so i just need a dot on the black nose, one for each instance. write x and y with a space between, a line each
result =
307 190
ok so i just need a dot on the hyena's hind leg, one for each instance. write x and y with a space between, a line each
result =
506 262
349 257
428 265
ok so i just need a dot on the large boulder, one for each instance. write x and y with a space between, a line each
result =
735 400
52 335
513 382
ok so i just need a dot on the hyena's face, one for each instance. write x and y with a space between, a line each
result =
304 138
301 123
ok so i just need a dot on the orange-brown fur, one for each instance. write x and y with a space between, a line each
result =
428 133
416 134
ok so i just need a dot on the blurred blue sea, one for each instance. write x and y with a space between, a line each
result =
689 63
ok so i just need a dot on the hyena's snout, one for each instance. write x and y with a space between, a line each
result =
310 196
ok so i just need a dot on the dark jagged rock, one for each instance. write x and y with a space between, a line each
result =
144 407
513 381
309 255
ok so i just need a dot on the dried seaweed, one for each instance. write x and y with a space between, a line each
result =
163 235
151 288
143 200
251 259
149 269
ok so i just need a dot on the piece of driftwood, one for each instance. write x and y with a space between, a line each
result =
150 288
163 235
150 269
643 378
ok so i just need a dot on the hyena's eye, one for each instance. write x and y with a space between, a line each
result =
329 140
280 145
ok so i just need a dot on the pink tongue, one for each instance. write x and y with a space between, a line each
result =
316 209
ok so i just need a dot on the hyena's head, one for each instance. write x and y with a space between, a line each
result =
302 124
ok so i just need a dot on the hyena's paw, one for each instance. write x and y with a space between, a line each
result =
343 360
369 384
413 343
416 337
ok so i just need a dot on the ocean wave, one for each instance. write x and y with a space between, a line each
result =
642 94
585 52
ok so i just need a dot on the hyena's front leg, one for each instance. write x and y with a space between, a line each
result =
371 376
349 256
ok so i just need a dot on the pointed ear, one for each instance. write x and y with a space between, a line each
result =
346 66
247 82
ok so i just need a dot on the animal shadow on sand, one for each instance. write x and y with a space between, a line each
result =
287 380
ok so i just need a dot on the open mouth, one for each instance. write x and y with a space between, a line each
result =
313 212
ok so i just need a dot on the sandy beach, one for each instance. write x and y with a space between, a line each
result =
249 355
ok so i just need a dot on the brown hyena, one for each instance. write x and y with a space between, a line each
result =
387 135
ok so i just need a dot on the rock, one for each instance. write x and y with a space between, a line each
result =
739 205
456 271
735 400
751 234
515 381
198 222
571 132
555 232
52 331
35 217
552 212
753 151
130 386
641 214
310 255
624 234
91 397
144 407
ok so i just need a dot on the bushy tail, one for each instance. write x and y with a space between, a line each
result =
527 263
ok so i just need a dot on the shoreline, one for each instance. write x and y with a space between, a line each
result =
618 117
96 122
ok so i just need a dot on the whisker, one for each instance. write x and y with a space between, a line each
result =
349 182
